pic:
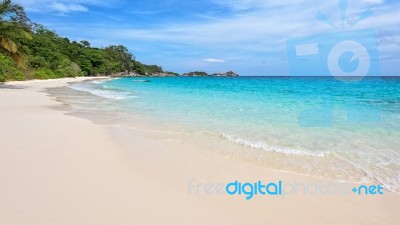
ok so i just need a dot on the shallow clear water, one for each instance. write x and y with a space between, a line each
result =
346 130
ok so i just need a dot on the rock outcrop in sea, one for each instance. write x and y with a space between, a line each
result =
202 74
196 74
171 74
227 74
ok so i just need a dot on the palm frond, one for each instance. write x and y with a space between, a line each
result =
7 7
15 31
18 57
12 30
8 44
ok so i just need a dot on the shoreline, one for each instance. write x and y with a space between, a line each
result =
60 169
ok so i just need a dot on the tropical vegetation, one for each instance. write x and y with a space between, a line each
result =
31 51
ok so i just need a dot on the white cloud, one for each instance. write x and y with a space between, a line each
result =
60 6
214 60
67 8
262 31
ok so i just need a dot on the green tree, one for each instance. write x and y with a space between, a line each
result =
85 43
12 16
122 55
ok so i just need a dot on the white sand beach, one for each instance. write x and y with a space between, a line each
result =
59 169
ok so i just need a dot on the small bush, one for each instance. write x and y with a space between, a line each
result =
44 74
69 70
9 71
38 62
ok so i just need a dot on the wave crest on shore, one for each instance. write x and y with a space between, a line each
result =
110 94
270 148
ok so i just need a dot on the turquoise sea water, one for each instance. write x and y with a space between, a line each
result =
339 129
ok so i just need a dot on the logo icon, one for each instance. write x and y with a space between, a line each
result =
340 54
344 55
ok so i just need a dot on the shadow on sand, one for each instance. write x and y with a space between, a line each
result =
9 86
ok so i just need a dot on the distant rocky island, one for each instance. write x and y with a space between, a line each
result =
135 74
227 74
202 74
172 74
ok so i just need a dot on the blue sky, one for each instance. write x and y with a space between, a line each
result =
246 36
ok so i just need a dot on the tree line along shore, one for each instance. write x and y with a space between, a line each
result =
31 51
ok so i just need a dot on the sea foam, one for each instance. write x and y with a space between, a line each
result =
270 148
110 94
